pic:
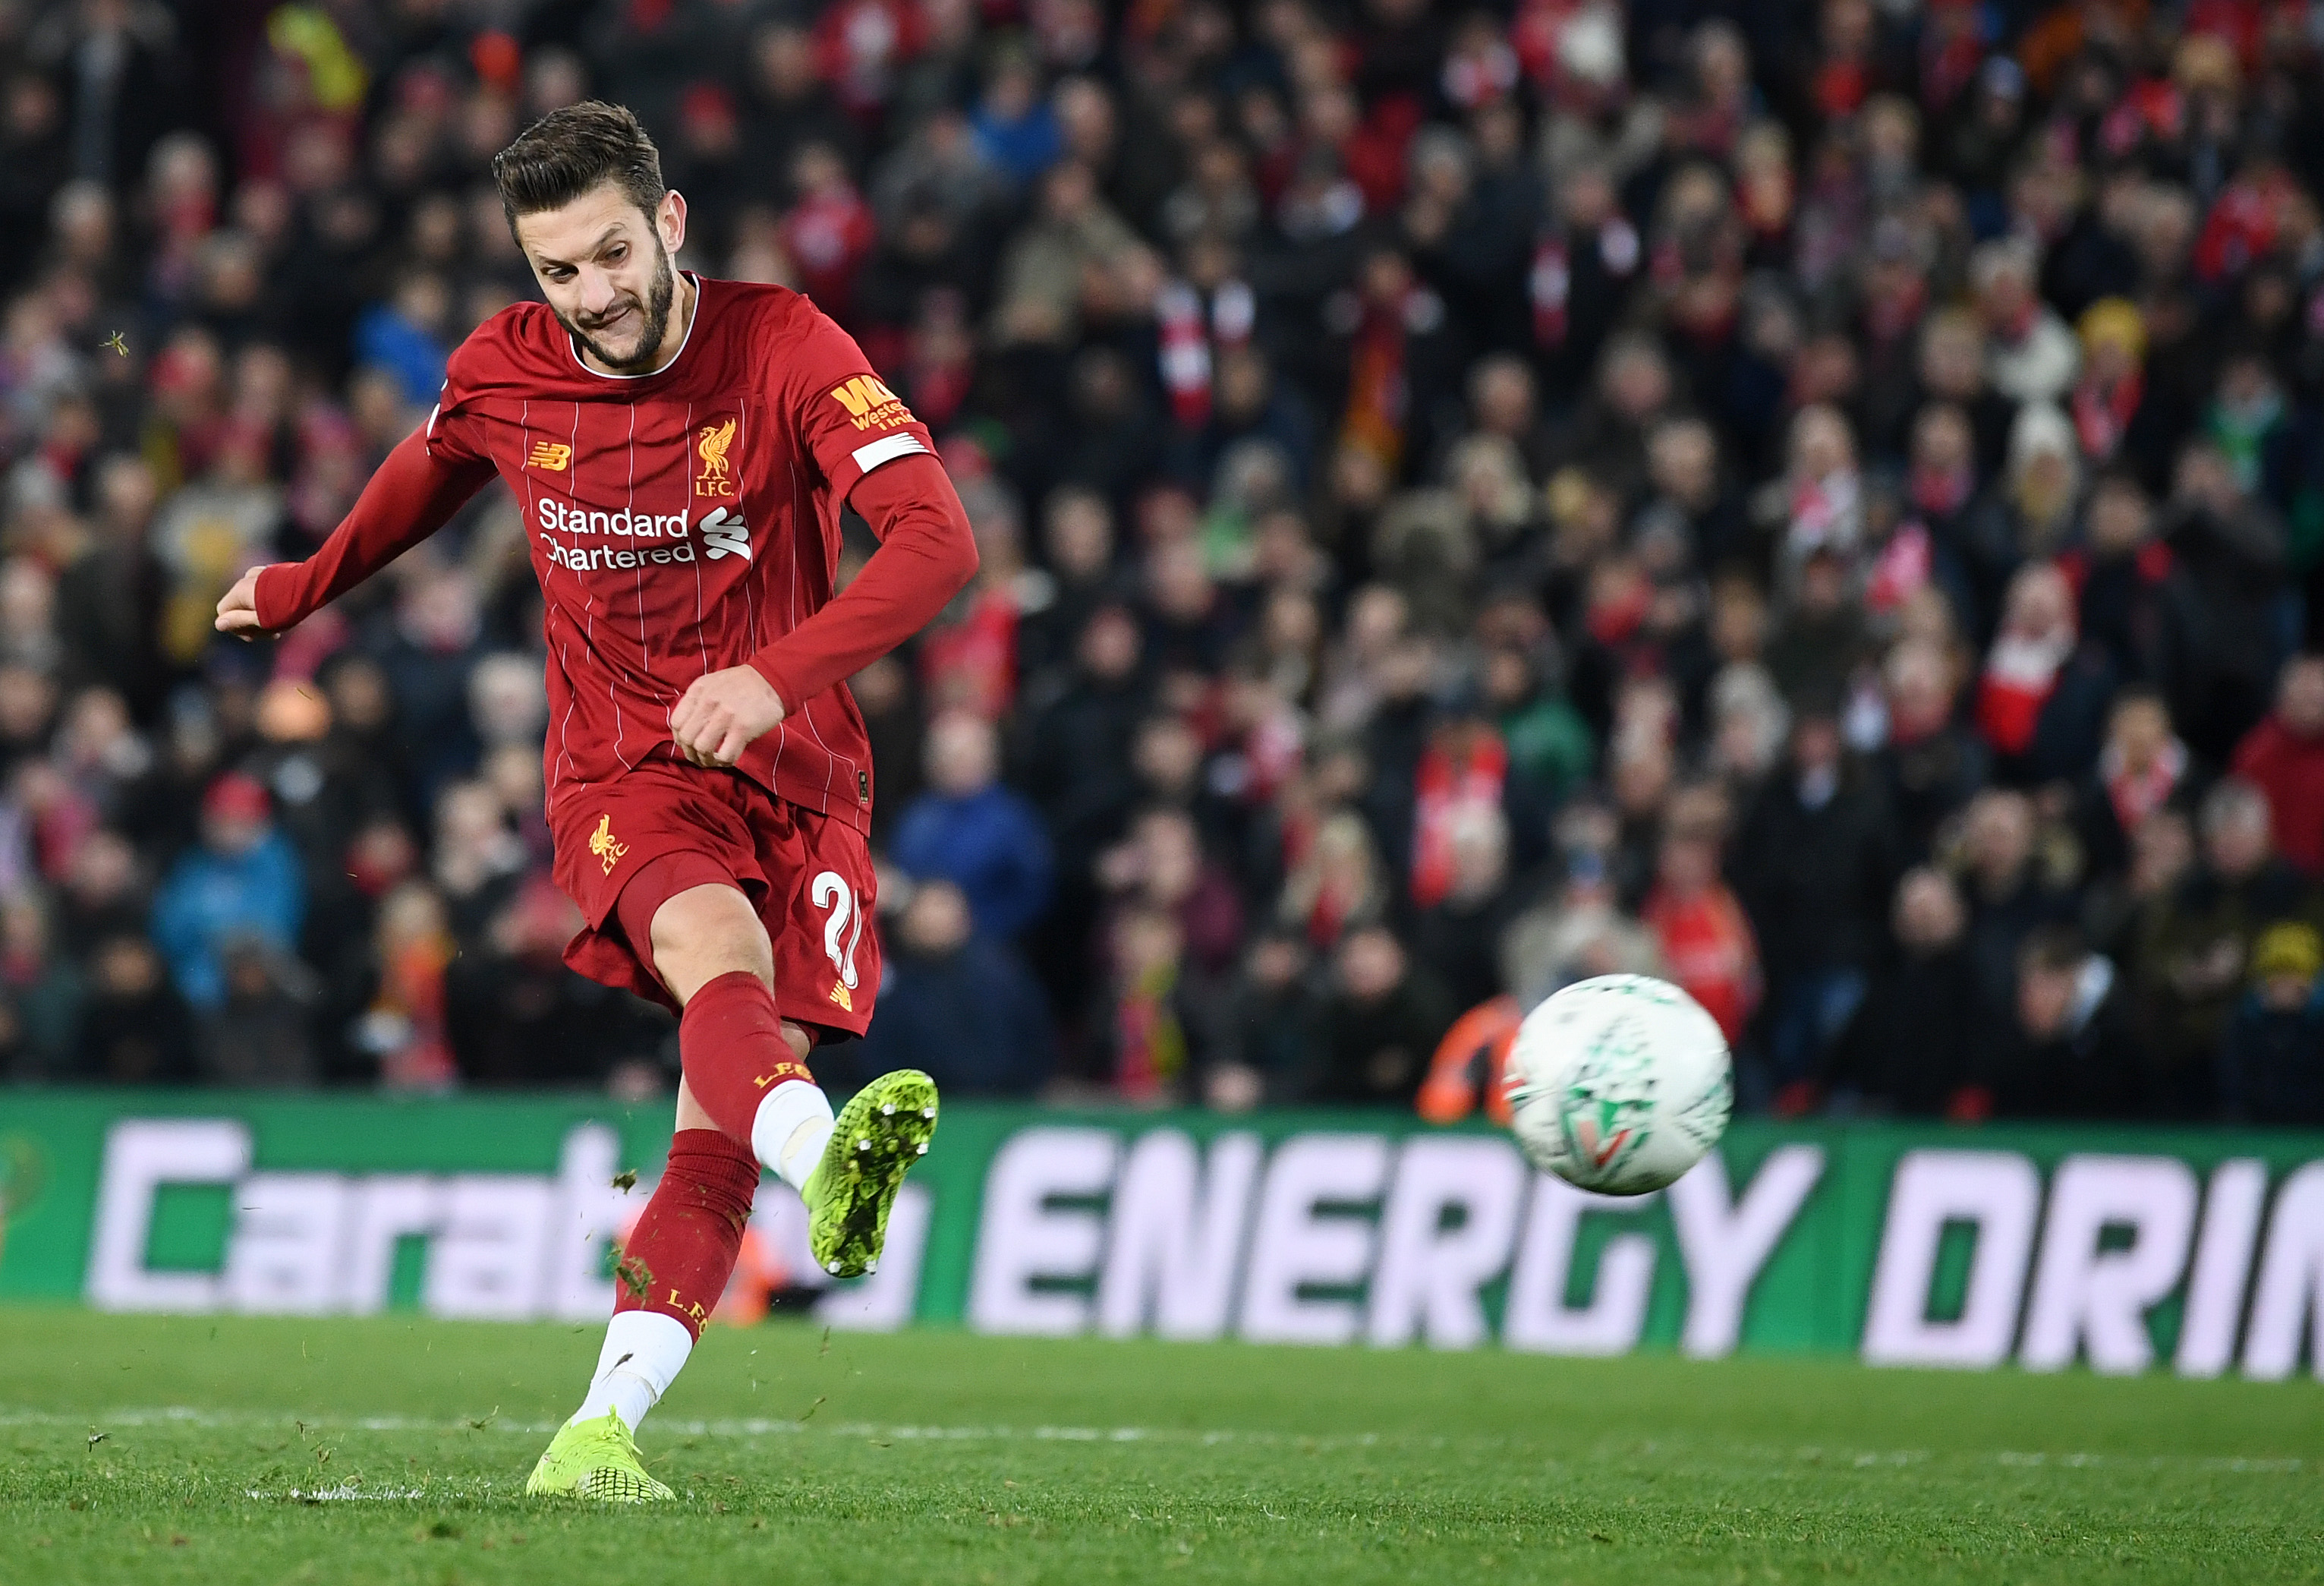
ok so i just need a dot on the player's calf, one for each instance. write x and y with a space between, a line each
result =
745 1066
672 1270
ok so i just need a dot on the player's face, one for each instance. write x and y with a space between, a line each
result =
604 266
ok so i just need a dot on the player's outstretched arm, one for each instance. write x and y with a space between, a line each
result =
927 555
414 494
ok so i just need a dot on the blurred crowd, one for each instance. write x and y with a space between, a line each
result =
1822 502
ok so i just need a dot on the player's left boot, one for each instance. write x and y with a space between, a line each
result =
596 1460
882 1130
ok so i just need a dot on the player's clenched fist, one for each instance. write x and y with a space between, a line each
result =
238 608
722 714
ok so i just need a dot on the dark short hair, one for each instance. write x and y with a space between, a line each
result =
2053 949
571 150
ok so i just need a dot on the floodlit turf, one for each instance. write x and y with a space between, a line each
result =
156 1449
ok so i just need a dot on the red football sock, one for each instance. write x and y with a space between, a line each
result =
683 1251
730 1043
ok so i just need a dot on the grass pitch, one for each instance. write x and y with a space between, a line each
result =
233 1450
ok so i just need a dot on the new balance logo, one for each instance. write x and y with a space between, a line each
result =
550 455
724 533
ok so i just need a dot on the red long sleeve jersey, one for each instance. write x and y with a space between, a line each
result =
680 523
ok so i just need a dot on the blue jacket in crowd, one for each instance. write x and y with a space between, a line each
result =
209 897
991 845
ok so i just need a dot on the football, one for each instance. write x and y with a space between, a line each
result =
1618 1084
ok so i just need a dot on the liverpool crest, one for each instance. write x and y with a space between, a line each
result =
602 844
717 474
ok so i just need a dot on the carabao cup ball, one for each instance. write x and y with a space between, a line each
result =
1618 1084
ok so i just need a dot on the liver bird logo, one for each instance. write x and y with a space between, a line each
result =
602 844
718 477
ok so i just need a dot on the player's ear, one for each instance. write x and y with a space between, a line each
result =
670 220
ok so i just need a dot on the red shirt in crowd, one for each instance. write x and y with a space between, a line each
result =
680 523
1708 944
2289 769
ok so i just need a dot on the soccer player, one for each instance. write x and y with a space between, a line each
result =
680 449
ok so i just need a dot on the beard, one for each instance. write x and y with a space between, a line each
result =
653 315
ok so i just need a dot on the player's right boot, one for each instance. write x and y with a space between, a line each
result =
596 1460
882 1130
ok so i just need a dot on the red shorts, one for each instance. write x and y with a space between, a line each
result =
624 849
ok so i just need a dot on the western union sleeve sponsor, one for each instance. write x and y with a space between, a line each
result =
869 404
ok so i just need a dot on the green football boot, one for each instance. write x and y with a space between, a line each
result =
882 1130
596 1460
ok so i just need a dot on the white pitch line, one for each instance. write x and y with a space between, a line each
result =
769 1426
345 1492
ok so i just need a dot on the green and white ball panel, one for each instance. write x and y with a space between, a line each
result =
1618 1084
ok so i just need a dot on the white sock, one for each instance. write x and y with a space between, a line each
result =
644 1352
791 1129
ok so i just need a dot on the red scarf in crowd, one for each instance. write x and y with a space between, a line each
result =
1902 569
1551 287
1952 47
1550 283
1445 786
1376 391
860 44
2101 417
410 1003
1827 512
2020 675
1189 330
1150 1046
2137 794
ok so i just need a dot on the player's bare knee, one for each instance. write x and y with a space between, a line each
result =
706 932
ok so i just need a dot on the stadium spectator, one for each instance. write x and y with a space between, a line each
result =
1912 1046
1160 865
2070 1052
242 879
1143 1023
1932 765
1457 937
2043 692
2142 766
1379 1023
2283 757
1267 1050
512 1014
1814 861
970 830
258 1034
1705 940
957 1005
2011 893
2199 956
1370 418
135 1029
2272 1062
40 988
